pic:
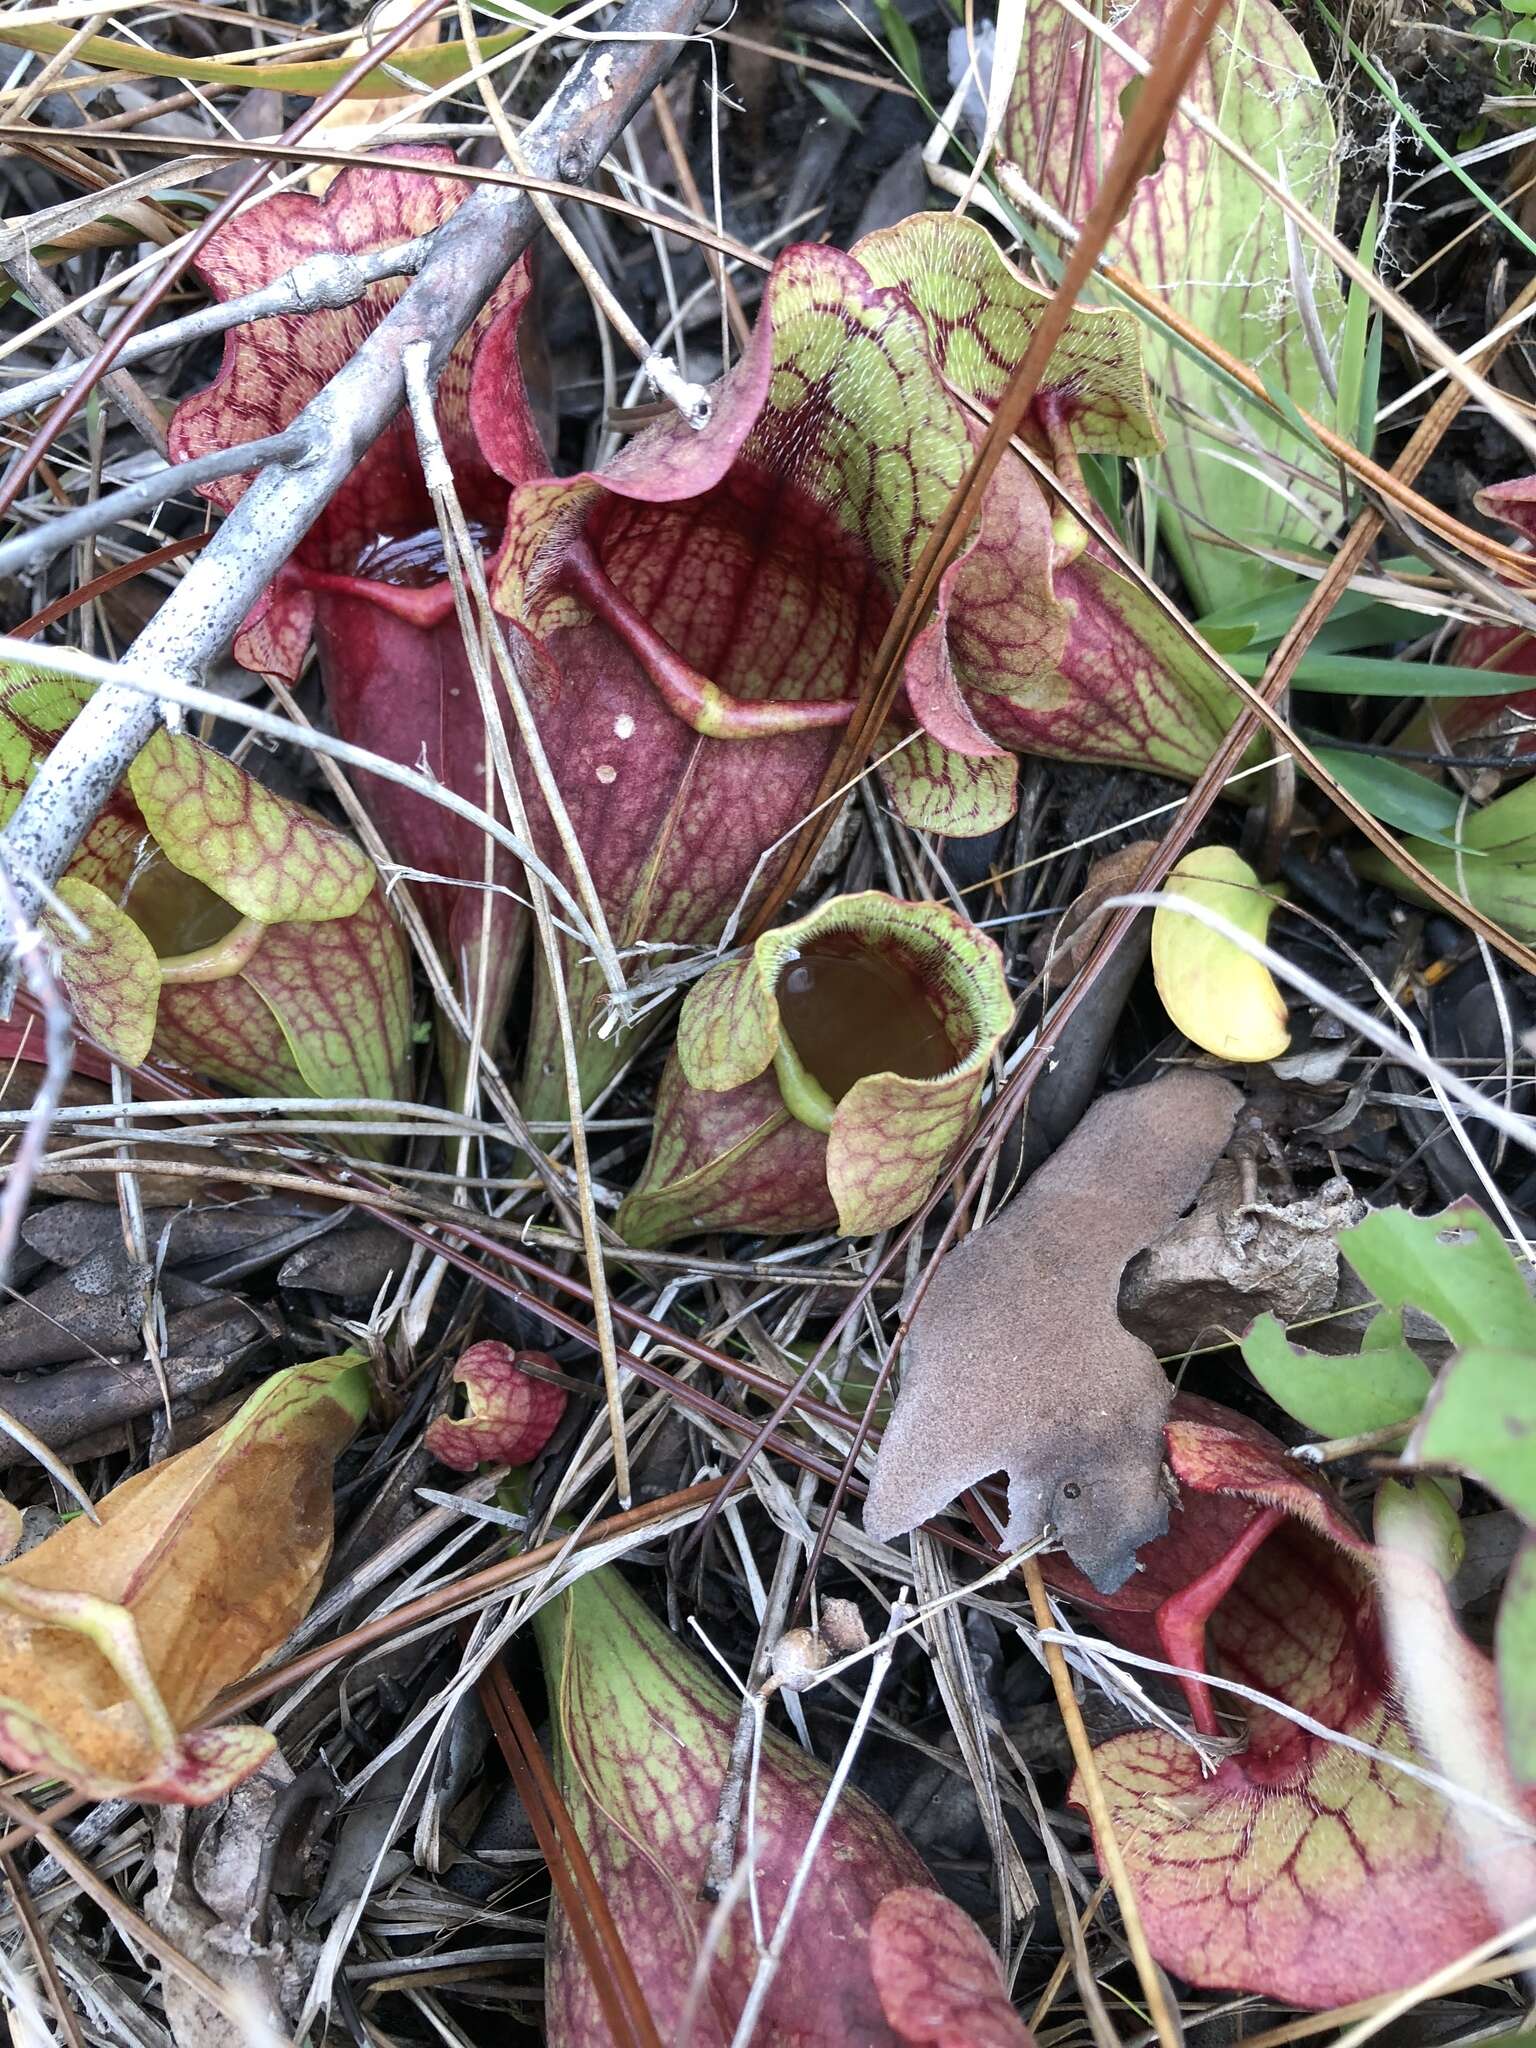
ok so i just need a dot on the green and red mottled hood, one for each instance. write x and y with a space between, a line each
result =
828 1076
207 920
1290 1865
705 610
643 1735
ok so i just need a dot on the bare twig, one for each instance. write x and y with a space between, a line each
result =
45 294
318 284
45 540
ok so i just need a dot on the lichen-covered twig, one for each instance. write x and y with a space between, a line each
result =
469 255
321 282
40 543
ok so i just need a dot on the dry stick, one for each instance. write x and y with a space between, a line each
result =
1426 437
741 326
319 284
469 256
690 399
130 395
443 1601
125 572
51 534
1363 468
1152 1982
570 1868
36 1934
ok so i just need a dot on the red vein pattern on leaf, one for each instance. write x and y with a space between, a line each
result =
734 1160
1296 1868
318 1010
938 1980
110 977
753 564
35 708
271 859
273 367
1510 715
510 1416
397 677
645 1734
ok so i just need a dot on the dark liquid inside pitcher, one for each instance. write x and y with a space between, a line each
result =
176 913
413 561
851 1011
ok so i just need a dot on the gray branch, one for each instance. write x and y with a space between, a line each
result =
43 541
316 285
469 256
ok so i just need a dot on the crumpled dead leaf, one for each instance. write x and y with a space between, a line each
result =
1016 1360
117 1634
1235 1257
213 1898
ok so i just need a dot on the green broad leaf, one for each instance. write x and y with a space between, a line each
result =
1514 1649
1392 792
1266 618
1227 639
1455 1267
1367 625
1337 1397
1364 675
1481 1420
1353 341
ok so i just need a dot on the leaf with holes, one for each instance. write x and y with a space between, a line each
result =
510 1416
1384 1385
116 1635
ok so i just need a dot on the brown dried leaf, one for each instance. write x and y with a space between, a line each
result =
117 1634
1017 1361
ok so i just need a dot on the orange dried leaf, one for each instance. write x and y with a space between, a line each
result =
117 1635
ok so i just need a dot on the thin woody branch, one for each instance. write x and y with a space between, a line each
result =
468 257
314 286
